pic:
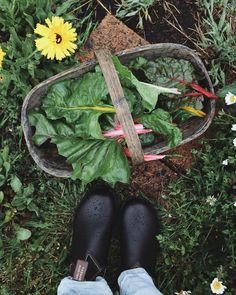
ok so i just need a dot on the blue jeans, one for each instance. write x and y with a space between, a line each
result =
131 282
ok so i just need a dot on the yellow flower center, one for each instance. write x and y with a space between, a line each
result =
216 285
232 98
58 38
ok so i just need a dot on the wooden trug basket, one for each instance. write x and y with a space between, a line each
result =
48 158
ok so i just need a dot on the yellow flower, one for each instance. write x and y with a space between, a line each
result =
2 54
57 39
196 112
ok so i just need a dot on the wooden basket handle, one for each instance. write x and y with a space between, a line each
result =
120 104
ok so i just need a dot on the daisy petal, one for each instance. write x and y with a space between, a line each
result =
233 127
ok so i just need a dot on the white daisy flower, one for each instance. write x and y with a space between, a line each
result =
211 200
217 287
230 98
225 162
233 127
234 142
235 204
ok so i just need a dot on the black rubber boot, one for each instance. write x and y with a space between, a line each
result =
139 227
92 230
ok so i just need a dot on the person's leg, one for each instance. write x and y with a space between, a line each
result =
68 286
137 281
139 248
92 229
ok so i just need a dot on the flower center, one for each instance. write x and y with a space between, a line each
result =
216 285
232 98
58 38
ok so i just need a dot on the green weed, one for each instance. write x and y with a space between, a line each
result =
198 234
130 8
35 210
24 67
217 32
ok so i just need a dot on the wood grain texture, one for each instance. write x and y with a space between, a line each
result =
121 106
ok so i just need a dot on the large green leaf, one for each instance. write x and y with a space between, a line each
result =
163 69
16 184
148 92
79 102
46 129
160 121
92 159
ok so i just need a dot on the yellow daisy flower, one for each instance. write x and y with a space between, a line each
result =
2 54
194 111
57 39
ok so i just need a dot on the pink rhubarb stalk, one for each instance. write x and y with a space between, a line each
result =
118 132
147 157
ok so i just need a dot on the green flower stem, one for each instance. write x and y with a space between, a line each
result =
33 53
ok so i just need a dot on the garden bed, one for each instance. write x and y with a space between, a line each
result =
194 192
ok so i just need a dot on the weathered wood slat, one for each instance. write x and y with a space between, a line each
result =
120 104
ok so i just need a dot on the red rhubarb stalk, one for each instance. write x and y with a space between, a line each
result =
198 88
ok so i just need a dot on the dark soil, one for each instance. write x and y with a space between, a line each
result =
165 16
149 179
180 13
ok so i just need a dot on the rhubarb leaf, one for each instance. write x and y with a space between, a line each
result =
148 92
78 101
92 159
46 129
162 71
160 121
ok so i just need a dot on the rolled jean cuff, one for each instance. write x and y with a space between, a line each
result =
137 282
68 286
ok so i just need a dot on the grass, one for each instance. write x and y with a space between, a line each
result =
197 240
130 8
216 32
44 254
